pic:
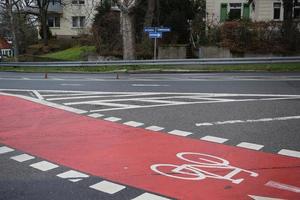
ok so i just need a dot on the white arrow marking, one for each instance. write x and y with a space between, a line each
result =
262 198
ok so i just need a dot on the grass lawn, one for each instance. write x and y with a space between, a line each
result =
285 67
72 54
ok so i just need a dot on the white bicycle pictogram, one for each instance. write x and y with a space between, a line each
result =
195 169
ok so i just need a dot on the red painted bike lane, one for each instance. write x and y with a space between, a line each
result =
173 166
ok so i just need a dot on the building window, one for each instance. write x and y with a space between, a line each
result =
235 11
54 21
277 11
224 13
246 11
78 21
78 2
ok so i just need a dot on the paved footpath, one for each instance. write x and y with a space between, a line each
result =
167 165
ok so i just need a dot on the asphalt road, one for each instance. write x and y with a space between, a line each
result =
231 108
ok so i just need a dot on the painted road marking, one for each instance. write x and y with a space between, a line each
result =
250 146
124 155
108 187
148 85
214 139
180 133
38 95
74 97
209 97
44 166
282 186
148 196
22 158
291 153
5 149
70 84
50 104
73 176
263 198
112 119
134 124
248 121
95 115
155 128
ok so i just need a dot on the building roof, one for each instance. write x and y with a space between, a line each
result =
4 44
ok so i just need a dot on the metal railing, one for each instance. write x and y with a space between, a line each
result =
164 62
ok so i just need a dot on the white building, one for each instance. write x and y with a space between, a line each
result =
71 18
258 10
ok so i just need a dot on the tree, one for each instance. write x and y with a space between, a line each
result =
8 7
128 27
288 26
17 26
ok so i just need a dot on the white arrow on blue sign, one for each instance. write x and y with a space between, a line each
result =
155 35
149 29
163 29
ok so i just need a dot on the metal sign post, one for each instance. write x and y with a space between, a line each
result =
155 33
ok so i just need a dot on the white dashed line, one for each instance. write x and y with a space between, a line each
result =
155 128
134 124
22 158
248 121
282 186
44 166
214 139
180 133
73 176
95 115
5 149
108 187
148 196
112 119
290 153
250 146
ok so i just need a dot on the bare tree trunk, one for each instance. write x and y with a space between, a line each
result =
128 35
127 27
13 30
149 17
288 26
43 15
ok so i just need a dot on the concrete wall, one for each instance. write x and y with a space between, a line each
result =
214 52
172 52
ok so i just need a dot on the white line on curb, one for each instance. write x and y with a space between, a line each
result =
290 153
133 124
155 128
214 139
5 149
250 146
148 196
108 187
95 115
22 158
44 166
180 133
112 119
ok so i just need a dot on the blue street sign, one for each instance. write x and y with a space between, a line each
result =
155 34
163 29
149 29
